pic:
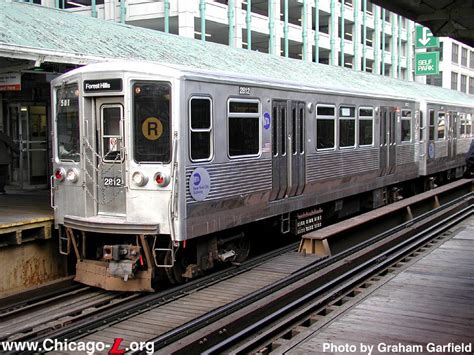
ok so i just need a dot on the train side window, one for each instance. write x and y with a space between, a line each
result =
405 127
243 127
346 126
200 115
441 125
366 126
325 126
432 125
67 122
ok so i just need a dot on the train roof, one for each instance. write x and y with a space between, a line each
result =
30 27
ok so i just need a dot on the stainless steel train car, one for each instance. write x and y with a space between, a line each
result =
160 169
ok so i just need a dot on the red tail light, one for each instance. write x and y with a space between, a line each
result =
59 174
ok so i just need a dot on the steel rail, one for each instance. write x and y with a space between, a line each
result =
341 284
344 260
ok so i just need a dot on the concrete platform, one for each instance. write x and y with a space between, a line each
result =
426 308
25 216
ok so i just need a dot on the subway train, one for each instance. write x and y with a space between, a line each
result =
161 169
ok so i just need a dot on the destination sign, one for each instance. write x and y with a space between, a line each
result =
103 85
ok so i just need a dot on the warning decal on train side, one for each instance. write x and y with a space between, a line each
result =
152 128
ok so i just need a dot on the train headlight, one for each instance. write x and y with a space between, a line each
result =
139 179
72 175
162 179
59 174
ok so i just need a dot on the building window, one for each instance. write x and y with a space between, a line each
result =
325 126
464 57
462 118
366 126
432 125
346 126
244 127
455 54
200 113
463 83
405 134
471 86
435 80
471 62
454 81
441 125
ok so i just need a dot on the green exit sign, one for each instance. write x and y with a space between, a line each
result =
424 38
427 63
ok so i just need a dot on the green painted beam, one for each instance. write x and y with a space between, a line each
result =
383 43
332 40
202 14
376 43
342 41
408 54
355 34
285 28
248 21
304 33
316 31
399 61
364 34
271 28
93 8
167 16
394 44
123 11
231 16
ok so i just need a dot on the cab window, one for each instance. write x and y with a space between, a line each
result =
152 121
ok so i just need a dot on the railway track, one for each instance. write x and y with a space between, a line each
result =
43 314
216 313
259 321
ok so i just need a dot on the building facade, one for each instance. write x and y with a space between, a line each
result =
351 33
456 67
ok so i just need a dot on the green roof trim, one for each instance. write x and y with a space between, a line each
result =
31 27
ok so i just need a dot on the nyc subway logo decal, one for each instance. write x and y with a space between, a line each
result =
199 184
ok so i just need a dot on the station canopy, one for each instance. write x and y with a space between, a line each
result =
39 34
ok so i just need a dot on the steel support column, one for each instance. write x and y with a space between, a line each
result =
304 32
93 8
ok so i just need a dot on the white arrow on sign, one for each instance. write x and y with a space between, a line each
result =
425 38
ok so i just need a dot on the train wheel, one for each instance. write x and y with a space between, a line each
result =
241 248
175 273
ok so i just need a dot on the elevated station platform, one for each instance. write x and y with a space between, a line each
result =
427 307
25 216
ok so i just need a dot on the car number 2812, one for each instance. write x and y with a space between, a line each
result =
112 181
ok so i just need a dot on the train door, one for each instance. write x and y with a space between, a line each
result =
388 143
28 128
288 149
110 166
452 122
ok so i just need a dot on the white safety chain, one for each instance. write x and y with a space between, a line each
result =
100 173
